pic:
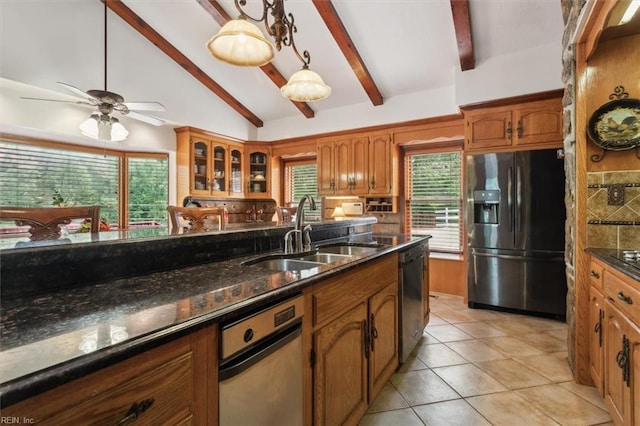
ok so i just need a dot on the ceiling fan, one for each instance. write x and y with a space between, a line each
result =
106 103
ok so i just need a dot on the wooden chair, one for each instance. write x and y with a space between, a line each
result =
285 214
45 222
196 219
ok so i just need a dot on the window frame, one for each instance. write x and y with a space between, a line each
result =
122 165
439 148
286 190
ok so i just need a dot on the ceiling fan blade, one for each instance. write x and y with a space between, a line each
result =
145 106
58 100
79 92
146 118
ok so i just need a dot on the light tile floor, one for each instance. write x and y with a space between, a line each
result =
482 367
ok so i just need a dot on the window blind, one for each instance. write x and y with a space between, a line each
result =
148 191
434 202
34 176
300 180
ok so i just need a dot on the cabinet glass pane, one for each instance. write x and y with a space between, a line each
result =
258 172
235 184
200 177
219 168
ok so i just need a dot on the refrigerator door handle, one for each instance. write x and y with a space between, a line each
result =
518 209
509 198
513 257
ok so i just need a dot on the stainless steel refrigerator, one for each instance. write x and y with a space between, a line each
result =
515 221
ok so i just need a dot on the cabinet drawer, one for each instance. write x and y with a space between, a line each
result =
623 295
162 379
596 272
339 294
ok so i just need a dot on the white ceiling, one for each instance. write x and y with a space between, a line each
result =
408 46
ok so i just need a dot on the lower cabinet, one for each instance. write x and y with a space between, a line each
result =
615 366
172 384
354 340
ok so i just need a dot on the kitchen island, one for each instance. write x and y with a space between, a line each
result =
58 331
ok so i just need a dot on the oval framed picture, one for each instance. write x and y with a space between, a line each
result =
615 125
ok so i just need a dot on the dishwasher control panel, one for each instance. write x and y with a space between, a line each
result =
248 330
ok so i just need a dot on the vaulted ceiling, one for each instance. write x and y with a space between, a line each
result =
379 57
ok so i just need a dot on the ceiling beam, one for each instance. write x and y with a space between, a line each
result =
161 43
339 32
462 25
222 17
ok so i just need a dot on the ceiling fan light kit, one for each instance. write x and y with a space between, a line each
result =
239 42
103 127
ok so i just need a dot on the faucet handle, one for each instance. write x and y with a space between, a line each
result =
306 235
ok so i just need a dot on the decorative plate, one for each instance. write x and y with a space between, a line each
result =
615 125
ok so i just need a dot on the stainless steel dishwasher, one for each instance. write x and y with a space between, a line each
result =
260 373
410 283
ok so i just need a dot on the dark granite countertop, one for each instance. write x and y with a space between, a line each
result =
612 258
52 338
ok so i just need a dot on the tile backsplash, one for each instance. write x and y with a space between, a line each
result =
613 209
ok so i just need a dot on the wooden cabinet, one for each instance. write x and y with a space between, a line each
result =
354 335
259 179
596 340
357 165
615 367
528 125
173 384
208 165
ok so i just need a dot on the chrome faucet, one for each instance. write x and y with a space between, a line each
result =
302 236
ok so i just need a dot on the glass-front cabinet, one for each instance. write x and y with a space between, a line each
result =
208 165
258 184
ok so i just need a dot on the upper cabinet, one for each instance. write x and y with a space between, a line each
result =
527 125
208 165
361 165
259 179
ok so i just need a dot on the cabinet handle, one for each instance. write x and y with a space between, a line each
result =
365 328
594 274
519 128
373 183
374 333
626 299
137 408
598 327
333 183
509 130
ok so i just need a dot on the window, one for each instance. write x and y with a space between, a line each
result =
301 178
433 199
46 174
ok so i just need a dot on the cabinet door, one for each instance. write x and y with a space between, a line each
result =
383 323
344 167
617 393
219 173
488 130
258 174
340 373
380 173
359 173
326 168
538 122
200 166
425 289
596 340
634 342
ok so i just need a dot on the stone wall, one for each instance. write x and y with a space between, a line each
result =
570 12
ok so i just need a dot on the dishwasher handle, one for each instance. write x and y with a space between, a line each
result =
241 362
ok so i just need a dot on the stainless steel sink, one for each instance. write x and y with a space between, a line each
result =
326 257
347 250
286 264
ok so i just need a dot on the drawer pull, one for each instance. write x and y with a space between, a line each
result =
594 274
626 299
137 408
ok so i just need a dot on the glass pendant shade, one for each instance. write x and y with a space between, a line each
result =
239 42
103 128
305 86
